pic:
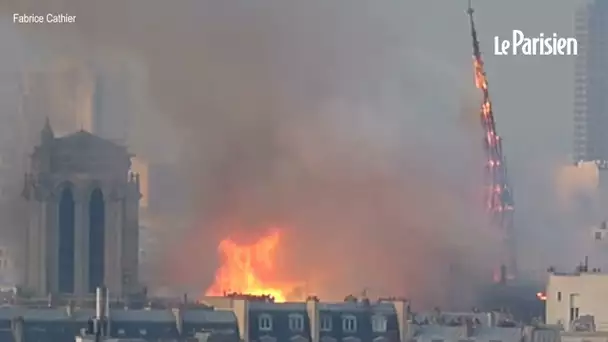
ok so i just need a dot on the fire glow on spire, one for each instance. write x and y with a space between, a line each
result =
498 197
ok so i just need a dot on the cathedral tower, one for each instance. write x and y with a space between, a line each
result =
83 204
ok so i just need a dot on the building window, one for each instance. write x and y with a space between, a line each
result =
265 322
573 314
326 323
349 324
598 235
296 322
378 323
559 296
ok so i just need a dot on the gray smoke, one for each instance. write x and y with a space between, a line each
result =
340 122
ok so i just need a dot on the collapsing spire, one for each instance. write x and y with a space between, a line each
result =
498 196
476 50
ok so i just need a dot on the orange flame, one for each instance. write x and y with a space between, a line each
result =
245 268
480 77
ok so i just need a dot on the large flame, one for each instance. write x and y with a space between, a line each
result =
250 269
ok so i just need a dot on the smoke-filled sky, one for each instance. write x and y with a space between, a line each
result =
351 123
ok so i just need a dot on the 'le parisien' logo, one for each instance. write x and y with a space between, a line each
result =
519 44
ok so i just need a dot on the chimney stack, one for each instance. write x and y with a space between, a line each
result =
107 311
17 329
179 320
100 304
70 308
469 327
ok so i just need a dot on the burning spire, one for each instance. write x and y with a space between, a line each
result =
498 197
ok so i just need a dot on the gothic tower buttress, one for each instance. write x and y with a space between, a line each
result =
83 228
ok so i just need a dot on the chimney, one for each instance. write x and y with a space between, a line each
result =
312 307
17 329
469 327
99 311
240 307
437 316
179 320
491 320
365 302
70 308
107 311
404 319
99 303
50 300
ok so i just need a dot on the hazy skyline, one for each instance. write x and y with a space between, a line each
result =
277 104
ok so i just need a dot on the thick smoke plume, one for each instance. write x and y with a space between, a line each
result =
318 117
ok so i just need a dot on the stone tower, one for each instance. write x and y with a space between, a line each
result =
83 204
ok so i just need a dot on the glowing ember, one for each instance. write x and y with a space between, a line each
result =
245 269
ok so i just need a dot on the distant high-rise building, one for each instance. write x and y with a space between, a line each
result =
591 82
118 98
111 106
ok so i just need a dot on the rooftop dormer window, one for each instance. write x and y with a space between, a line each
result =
349 324
296 322
265 322
379 323
326 323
